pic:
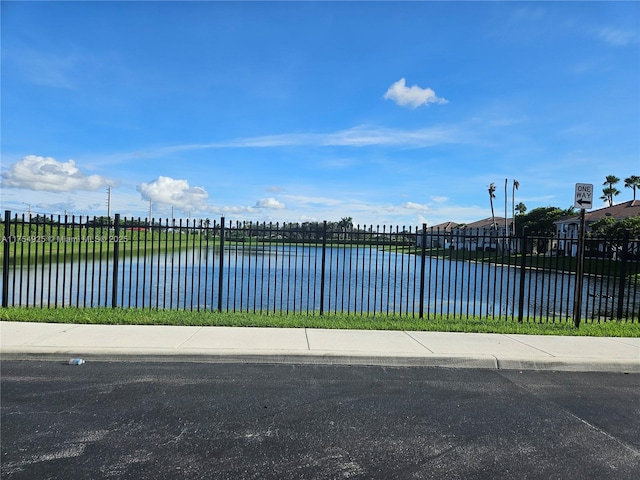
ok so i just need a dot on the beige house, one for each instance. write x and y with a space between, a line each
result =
567 228
479 235
482 234
438 236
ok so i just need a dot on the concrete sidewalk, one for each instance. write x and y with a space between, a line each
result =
21 340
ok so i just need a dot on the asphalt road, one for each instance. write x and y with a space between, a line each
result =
231 421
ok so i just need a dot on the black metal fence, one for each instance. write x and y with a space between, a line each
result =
313 268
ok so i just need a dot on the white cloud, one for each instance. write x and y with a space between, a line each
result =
271 203
415 206
618 38
45 173
358 136
413 96
438 199
176 193
306 201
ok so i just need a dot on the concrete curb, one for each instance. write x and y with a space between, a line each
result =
489 362
60 342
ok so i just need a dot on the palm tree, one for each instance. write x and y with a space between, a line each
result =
611 180
506 228
515 187
610 191
345 223
632 182
492 195
521 208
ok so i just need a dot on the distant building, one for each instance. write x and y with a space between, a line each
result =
438 236
482 235
567 225
567 228
479 235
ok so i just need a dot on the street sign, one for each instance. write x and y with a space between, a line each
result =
584 196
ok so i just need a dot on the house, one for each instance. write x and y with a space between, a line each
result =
482 234
479 235
438 236
567 225
567 228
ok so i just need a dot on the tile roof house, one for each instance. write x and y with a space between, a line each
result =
567 228
438 236
486 224
481 234
478 235
444 227
568 225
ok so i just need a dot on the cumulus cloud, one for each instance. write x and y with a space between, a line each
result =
415 206
47 174
413 96
176 193
270 203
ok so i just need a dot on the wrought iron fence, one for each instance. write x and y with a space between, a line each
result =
313 268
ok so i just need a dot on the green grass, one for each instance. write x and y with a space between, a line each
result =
118 316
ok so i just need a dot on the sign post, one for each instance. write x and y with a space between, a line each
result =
583 200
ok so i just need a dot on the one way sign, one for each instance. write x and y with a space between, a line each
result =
584 196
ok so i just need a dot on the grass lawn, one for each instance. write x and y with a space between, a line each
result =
118 316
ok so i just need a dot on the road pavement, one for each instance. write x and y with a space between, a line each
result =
138 420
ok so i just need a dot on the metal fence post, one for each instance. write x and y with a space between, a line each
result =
523 269
623 274
5 259
116 258
322 265
221 265
577 299
423 255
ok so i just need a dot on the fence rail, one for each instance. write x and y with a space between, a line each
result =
312 268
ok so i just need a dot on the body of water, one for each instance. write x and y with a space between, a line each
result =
359 280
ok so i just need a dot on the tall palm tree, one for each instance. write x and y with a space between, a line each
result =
492 195
609 192
632 182
611 180
515 187
506 228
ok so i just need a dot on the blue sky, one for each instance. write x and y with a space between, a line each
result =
394 113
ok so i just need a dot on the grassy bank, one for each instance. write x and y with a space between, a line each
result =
108 316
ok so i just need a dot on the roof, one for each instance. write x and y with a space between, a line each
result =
618 212
486 223
444 227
